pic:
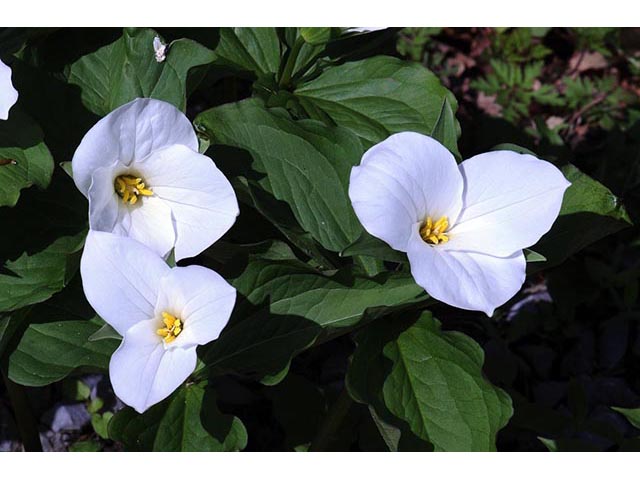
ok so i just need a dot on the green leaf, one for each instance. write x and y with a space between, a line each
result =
551 445
316 35
371 246
631 414
34 278
446 128
127 69
86 446
189 421
48 352
297 306
303 163
255 50
106 331
10 323
431 382
25 160
533 257
379 96
281 216
100 424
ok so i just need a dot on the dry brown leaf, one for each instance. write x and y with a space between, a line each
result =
487 103
583 61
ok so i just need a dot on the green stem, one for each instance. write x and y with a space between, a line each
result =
291 63
25 420
332 422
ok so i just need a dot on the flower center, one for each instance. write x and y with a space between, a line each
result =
173 327
129 188
435 233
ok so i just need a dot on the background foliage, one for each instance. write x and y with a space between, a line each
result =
332 345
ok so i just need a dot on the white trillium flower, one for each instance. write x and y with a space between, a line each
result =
463 227
160 49
8 94
162 313
140 169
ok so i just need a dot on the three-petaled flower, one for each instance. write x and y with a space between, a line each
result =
162 313
463 227
140 169
8 94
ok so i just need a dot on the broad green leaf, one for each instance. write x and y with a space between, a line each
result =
590 211
189 421
303 163
281 216
431 382
631 414
436 386
297 306
25 160
371 246
127 69
34 278
48 352
379 96
255 50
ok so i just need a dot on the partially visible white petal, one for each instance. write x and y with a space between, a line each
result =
8 94
104 202
121 278
143 372
129 133
150 222
401 181
202 201
201 298
467 280
363 29
510 201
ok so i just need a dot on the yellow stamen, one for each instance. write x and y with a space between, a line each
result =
435 233
173 327
129 188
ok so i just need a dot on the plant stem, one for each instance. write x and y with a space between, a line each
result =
291 63
332 422
25 420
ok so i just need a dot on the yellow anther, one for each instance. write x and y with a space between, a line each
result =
435 233
129 188
173 327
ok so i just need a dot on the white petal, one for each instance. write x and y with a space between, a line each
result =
121 279
201 298
143 372
8 94
510 201
467 280
202 201
401 181
104 202
131 132
150 222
